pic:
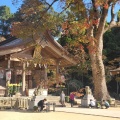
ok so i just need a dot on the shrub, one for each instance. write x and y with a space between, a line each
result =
35 108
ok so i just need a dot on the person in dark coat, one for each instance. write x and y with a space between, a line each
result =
41 104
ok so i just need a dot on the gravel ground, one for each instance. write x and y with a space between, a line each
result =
27 115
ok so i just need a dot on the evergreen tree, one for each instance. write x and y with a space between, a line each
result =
5 20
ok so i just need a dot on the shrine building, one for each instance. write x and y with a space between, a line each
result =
26 62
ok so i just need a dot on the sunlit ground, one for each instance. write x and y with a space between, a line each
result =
24 115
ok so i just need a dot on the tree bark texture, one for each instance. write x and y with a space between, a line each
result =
98 71
100 88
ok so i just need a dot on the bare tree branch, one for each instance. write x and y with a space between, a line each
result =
112 13
112 22
65 8
102 22
50 5
116 24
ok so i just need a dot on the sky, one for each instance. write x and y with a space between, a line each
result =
14 8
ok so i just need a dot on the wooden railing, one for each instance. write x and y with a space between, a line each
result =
17 103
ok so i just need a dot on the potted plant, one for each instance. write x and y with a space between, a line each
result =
67 99
35 108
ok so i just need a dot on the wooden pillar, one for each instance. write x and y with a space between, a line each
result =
7 81
14 73
45 72
57 72
23 79
9 64
15 76
45 76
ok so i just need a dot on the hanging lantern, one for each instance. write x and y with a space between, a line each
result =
45 65
27 64
40 65
35 64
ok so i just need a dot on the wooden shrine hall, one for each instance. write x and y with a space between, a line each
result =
27 62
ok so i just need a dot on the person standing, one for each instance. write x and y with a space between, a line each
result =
72 96
62 98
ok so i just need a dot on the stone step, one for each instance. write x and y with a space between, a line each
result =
56 99
53 97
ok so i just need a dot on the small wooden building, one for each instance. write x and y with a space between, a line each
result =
24 61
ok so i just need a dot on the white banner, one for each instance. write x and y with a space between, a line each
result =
8 75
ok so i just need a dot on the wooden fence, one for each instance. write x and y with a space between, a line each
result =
17 103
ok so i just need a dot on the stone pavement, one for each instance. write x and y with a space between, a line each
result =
110 112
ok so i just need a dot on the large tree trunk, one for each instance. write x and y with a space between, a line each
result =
100 88
98 71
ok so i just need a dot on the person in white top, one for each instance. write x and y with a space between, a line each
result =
92 103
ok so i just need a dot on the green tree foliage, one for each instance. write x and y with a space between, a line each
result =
112 44
36 16
5 20
85 20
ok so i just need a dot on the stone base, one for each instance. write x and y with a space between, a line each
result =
42 92
86 100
